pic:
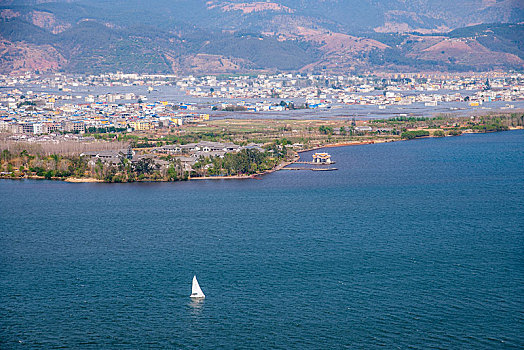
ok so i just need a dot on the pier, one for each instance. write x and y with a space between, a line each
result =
318 159
321 159
312 169
313 163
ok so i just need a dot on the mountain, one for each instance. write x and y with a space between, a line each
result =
215 36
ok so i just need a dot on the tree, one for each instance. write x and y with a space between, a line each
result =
6 155
172 174
325 130
144 166
408 135
56 159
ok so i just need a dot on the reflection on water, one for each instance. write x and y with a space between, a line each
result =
196 306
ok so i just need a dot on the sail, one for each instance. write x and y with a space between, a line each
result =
196 292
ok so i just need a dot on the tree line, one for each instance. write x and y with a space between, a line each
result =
146 168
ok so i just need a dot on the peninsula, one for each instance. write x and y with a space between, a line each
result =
217 149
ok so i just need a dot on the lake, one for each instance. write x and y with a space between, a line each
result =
409 244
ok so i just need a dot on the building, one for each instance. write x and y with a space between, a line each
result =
140 125
27 128
73 126
169 149
322 158
4 125
38 128
51 127
109 157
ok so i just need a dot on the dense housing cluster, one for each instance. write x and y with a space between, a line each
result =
32 104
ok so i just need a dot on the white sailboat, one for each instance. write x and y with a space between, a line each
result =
196 292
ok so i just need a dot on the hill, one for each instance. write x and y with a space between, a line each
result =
217 36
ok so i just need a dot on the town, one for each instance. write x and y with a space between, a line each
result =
63 126
32 104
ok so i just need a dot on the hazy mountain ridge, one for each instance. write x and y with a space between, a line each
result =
230 36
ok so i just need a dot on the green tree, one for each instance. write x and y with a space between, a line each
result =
56 159
408 135
6 155
325 130
144 166
172 174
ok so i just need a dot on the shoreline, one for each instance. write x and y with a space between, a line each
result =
342 144
256 176
83 180
371 142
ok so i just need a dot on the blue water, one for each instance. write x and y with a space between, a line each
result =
411 244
